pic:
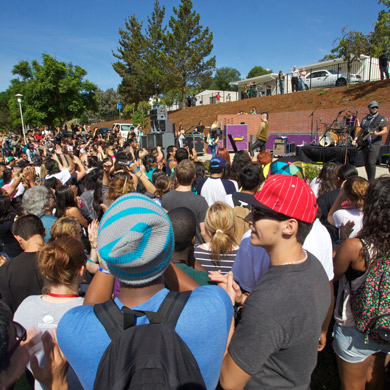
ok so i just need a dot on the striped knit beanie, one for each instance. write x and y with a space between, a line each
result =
135 240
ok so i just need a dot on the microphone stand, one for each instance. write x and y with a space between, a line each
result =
312 121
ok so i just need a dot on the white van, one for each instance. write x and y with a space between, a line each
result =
124 128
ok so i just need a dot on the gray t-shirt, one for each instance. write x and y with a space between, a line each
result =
277 338
196 203
36 313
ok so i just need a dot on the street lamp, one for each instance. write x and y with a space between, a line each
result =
19 98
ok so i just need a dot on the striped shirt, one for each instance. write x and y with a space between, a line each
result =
203 256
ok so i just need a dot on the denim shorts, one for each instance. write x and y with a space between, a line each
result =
348 344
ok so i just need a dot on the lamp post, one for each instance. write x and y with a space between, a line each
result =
19 98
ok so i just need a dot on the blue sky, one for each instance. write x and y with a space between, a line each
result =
273 34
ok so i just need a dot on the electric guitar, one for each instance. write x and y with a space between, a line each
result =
364 137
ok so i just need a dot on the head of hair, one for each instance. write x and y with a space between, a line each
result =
200 172
7 212
376 216
163 185
156 173
224 153
119 186
90 179
219 225
50 183
264 157
216 170
345 172
184 227
181 154
240 160
265 113
65 227
251 177
61 260
326 177
51 166
28 226
64 198
185 172
170 149
36 200
7 176
355 189
5 321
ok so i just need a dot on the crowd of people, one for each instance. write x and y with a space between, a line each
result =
125 265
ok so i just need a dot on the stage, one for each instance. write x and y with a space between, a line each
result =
313 154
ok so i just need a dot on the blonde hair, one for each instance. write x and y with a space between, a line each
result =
65 227
356 189
118 187
219 225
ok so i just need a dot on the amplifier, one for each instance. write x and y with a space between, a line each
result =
158 112
195 141
291 147
280 148
281 140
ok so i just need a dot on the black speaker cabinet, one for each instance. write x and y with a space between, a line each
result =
195 141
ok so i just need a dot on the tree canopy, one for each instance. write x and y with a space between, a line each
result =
53 92
223 77
258 71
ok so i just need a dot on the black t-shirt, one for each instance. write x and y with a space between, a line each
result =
20 278
383 60
200 129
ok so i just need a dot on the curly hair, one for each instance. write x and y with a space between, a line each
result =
376 216
118 187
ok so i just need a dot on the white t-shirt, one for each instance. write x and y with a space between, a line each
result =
315 186
63 176
342 216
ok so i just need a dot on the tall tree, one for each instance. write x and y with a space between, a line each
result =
351 46
380 37
188 47
223 77
53 92
131 64
258 71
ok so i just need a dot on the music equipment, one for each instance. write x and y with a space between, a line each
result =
239 134
161 126
280 145
330 138
195 141
364 137
158 112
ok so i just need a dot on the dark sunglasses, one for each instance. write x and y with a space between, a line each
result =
20 335
261 214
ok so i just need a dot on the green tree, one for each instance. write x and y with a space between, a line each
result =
107 104
351 46
131 66
258 71
138 114
380 37
53 92
188 49
5 120
223 77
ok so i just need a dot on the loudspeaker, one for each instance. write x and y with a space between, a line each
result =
161 126
158 112
280 148
195 141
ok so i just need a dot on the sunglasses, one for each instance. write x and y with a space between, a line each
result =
258 214
20 335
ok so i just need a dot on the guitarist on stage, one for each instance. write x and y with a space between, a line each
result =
370 148
213 137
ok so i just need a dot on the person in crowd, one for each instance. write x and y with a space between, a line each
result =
362 358
215 188
20 277
67 204
182 196
79 329
264 347
171 160
302 79
219 251
163 186
9 244
59 166
240 160
254 111
353 192
269 89
39 201
281 78
325 181
62 264
295 79
262 134
374 125
184 230
384 65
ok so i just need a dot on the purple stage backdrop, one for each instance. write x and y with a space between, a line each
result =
239 134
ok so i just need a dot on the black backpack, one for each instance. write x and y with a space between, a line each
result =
151 356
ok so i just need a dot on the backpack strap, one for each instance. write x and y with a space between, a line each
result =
172 307
366 253
110 316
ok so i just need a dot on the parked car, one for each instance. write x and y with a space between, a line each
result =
124 128
329 78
